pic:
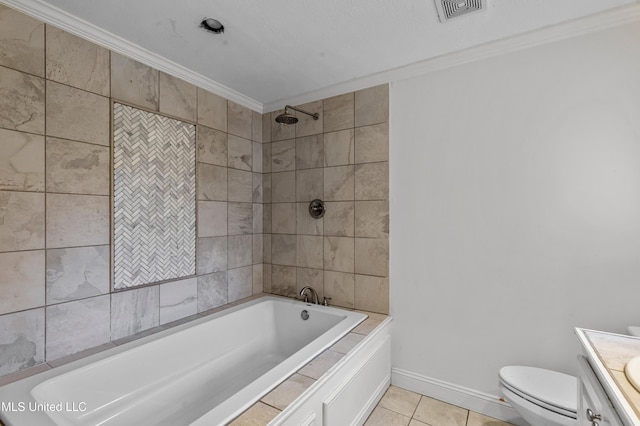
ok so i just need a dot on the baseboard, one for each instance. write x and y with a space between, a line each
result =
489 405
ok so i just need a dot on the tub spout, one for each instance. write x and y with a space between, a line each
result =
313 293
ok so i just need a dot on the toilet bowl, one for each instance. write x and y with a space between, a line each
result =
541 397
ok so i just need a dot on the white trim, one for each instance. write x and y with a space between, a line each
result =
74 25
577 27
483 403
593 23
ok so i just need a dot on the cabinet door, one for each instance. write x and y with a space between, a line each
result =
594 407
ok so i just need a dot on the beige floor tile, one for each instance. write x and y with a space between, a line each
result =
383 417
415 422
288 391
400 400
438 413
258 415
321 364
477 419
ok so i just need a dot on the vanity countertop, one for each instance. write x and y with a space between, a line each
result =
608 353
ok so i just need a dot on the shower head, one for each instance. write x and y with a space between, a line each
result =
287 118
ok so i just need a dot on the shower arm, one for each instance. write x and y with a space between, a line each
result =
315 116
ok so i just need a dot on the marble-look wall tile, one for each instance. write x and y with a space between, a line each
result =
283 187
21 42
267 210
258 249
339 218
21 161
306 124
212 218
212 255
77 220
372 219
21 281
266 128
267 247
134 82
372 106
309 184
309 251
177 97
309 152
212 146
212 291
279 131
283 280
239 120
339 148
211 182
240 251
338 254
77 168
310 277
240 283
372 143
240 153
77 115
212 110
22 101
133 311
305 223
21 221
240 218
339 112
77 273
340 287
76 326
372 294
283 218
339 183
266 278
178 299
77 62
267 188
21 340
372 181
256 157
258 218
283 155
257 195
256 127
266 158
288 391
240 186
258 278
283 249
372 256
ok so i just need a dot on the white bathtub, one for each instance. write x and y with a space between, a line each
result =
204 372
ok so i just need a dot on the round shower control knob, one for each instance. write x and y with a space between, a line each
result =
316 209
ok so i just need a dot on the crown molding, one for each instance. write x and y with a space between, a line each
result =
74 25
577 27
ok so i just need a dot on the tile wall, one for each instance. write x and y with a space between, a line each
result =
56 93
343 159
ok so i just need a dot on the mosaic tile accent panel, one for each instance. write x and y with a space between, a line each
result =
154 197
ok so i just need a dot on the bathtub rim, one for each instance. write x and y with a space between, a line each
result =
20 390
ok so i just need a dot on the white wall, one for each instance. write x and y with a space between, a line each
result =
515 208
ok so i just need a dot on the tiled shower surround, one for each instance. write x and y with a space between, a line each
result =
56 290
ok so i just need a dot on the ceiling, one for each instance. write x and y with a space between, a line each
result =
273 51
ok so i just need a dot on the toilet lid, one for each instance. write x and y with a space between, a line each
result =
551 387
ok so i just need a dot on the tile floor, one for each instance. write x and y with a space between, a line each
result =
400 407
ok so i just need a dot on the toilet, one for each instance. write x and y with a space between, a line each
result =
541 397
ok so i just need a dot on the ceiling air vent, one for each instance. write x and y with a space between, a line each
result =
450 9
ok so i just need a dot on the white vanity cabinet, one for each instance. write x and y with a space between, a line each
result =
594 406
